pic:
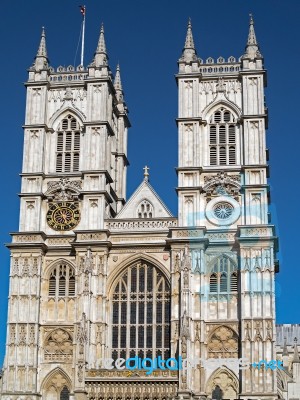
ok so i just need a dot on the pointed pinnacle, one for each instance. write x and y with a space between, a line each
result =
189 51
251 36
189 41
100 57
42 51
117 82
252 48
101 48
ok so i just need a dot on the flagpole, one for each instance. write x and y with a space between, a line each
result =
82 42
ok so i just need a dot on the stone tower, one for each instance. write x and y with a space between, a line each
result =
73 177
226 246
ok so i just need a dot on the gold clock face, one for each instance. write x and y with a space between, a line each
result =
63 216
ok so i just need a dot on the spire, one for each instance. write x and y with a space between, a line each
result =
101 56
41 60
189 41
296 354
251 36
42 51
189 52
118 84
252 48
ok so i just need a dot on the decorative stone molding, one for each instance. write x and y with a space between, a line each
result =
25 266
256 232
140 224
222 184
27 238
91 236
189 233
223 236
59 241
223 343
63 190
139 239
58 346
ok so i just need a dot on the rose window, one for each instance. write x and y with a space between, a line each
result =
223 210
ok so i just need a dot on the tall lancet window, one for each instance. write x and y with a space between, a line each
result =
223 277
141 313
62 281
68 145
222 138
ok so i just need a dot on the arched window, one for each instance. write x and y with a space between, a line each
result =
141 313
145 210
68 145
62 281
58 346
57 386
222 138
223 277
223 343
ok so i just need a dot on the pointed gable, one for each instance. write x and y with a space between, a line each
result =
144 203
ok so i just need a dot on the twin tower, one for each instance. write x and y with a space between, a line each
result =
94 276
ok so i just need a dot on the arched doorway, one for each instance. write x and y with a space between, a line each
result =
223 384
56 386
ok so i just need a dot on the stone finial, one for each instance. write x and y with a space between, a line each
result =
41 60
146 173
252 48
189 52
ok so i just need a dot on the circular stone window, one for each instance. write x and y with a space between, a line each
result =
223 210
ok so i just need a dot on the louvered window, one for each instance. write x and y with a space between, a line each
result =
141 313
234 282
62 281
52 286
222 138
223 277
213 283
68 145
223 282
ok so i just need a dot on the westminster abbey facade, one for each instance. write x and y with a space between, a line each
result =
94 276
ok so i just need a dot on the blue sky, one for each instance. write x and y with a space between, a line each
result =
147 39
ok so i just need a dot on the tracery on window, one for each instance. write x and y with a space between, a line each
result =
223 277
62 281
59 346
145 210
222 138
223 343
57 386
68 145
141 313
